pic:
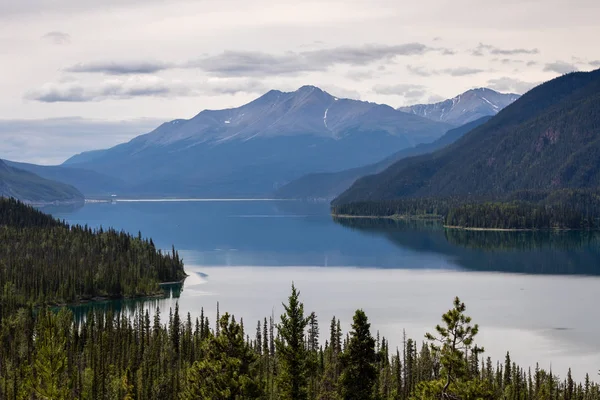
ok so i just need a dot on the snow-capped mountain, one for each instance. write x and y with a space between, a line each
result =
464 108
252 149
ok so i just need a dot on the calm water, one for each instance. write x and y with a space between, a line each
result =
534 294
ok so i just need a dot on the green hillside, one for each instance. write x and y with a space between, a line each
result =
548 139
328 185
30 187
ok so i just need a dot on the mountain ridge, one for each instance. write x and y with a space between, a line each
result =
31 188
328 185
464 108
253 149
548 139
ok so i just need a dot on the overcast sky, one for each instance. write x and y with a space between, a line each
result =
109 70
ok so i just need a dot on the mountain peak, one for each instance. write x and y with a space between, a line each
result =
308 88
464 108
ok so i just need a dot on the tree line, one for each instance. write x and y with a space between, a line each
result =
45 261
47 355
526 209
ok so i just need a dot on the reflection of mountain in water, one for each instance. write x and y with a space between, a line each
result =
567 252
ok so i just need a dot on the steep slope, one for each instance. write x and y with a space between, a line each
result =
90 183
546 140
464 108
332 184
29 187
253 149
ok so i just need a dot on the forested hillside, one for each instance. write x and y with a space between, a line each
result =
45 261
27 186
558 209
328 185
48 356
546 140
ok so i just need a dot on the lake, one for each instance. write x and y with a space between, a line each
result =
532 293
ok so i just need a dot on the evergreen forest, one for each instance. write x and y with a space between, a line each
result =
45 261
522 210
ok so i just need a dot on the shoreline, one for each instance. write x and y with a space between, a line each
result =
100 299
396 217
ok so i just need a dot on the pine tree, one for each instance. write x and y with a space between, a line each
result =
359 371
453 342
292 381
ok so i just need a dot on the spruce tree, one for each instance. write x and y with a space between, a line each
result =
292 380
359 370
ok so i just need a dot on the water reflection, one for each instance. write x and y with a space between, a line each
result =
542 252
130 307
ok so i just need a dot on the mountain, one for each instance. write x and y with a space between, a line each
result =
90 183
253 149
464 108
546 140
332 184
29 187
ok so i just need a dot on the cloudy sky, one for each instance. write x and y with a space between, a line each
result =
86 74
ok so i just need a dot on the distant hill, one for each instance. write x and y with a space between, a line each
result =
546 140
329 185
28 187
464 108
90 183
254 149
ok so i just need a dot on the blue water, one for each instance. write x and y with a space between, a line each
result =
534 294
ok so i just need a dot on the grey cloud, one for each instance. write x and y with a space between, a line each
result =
259 64
507 61
560 67
57 37
435 98
531 63
76 92
360 75
406 90
363 55
458 71
420 71
51 141
247 63
507 84
489 49
250 63
123 68
595 63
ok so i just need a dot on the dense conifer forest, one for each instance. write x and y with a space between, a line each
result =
45 261
46 355
561 209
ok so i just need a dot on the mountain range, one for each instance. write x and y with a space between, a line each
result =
31 188
546 140
464 108
254 149
328 185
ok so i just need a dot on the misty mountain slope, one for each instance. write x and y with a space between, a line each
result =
28 187
90 183
464 108
253 149
329 185
548 139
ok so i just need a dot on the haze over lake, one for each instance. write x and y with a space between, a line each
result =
533 294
